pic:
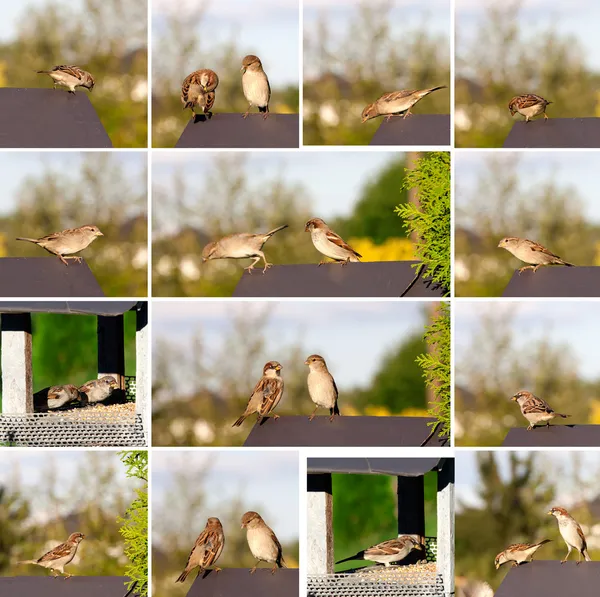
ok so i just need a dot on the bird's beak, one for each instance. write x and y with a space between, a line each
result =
204 259
99 233
306 362
549 512
243 69
497 565
278 368
306 228
205 88
243 525
419 547
500 245
513 398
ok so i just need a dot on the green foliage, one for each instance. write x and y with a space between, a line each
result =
430 219
14 512
371 214
436 367
134 525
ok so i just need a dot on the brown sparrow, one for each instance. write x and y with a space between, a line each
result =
206 550
395 103
535 410
262 542
321 386
518 553
198 89
572 534
255 85
529 105
387 552
98 390
266 394
530 252
70 77
330 244
240 246
64 244
60 395
56 559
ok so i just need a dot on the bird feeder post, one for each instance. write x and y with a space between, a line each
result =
410 495
142 372
111 348
16 364
320 524
445 525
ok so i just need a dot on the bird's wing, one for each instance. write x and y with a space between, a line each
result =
336 239
537 405
529 100
580 533
387 548
213 547
270 388
60 551
392 96
541 249
74 71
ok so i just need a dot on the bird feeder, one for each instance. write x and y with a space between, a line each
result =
417 580
21 425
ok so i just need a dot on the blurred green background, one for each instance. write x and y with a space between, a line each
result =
65 349
49 192
548 349
356 51
217 35
108 38
504 49
189 487
547 198
503 498
45 496
365 512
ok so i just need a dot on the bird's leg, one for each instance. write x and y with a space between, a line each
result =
267 264
67 575
530 427
321 262
251 266
217 569
545 116
535 269
78 259
522 269
387 118
314 412
578 558
266 115
332 417
274 569
407 113
62 259
254 569
514 565
247 112
345 262
568 554
275 417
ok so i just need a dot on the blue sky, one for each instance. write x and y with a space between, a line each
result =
334 180
267 482
567 169
15 167
267 28
551 462
577 18
353 337
565 322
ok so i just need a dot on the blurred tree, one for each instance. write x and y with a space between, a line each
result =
107 38
348 69
14 511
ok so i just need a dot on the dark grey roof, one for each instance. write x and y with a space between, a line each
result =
399 467
107 308
555 435
555 132
343 431
233 582
45 277
41 118
369 279
76 586
231 130
551 579
417 129
557 281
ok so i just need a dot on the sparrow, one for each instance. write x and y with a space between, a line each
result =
396 102
572 534
266 394
518 553
60 395
531 252
321 386
330 244
535 410
387 552
98 390
262 542
206 550
255 85
198 89
56 559
529 105
64 244
70 76
240 246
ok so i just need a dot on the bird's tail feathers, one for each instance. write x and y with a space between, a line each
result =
27 562
356 556
29 240
276 230
561 262
239 421
544 541
183 576
563 416
263 109
432 89
336 410
282 563
586 555
42 72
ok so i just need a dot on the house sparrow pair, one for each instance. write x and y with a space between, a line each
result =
244 245
535 410
531 252
396 103
262 541
70 77
68 242
387 552
528 105
198 90
56 559
95 390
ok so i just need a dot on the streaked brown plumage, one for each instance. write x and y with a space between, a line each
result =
70 77
206 550
528 105
198 89
396 102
